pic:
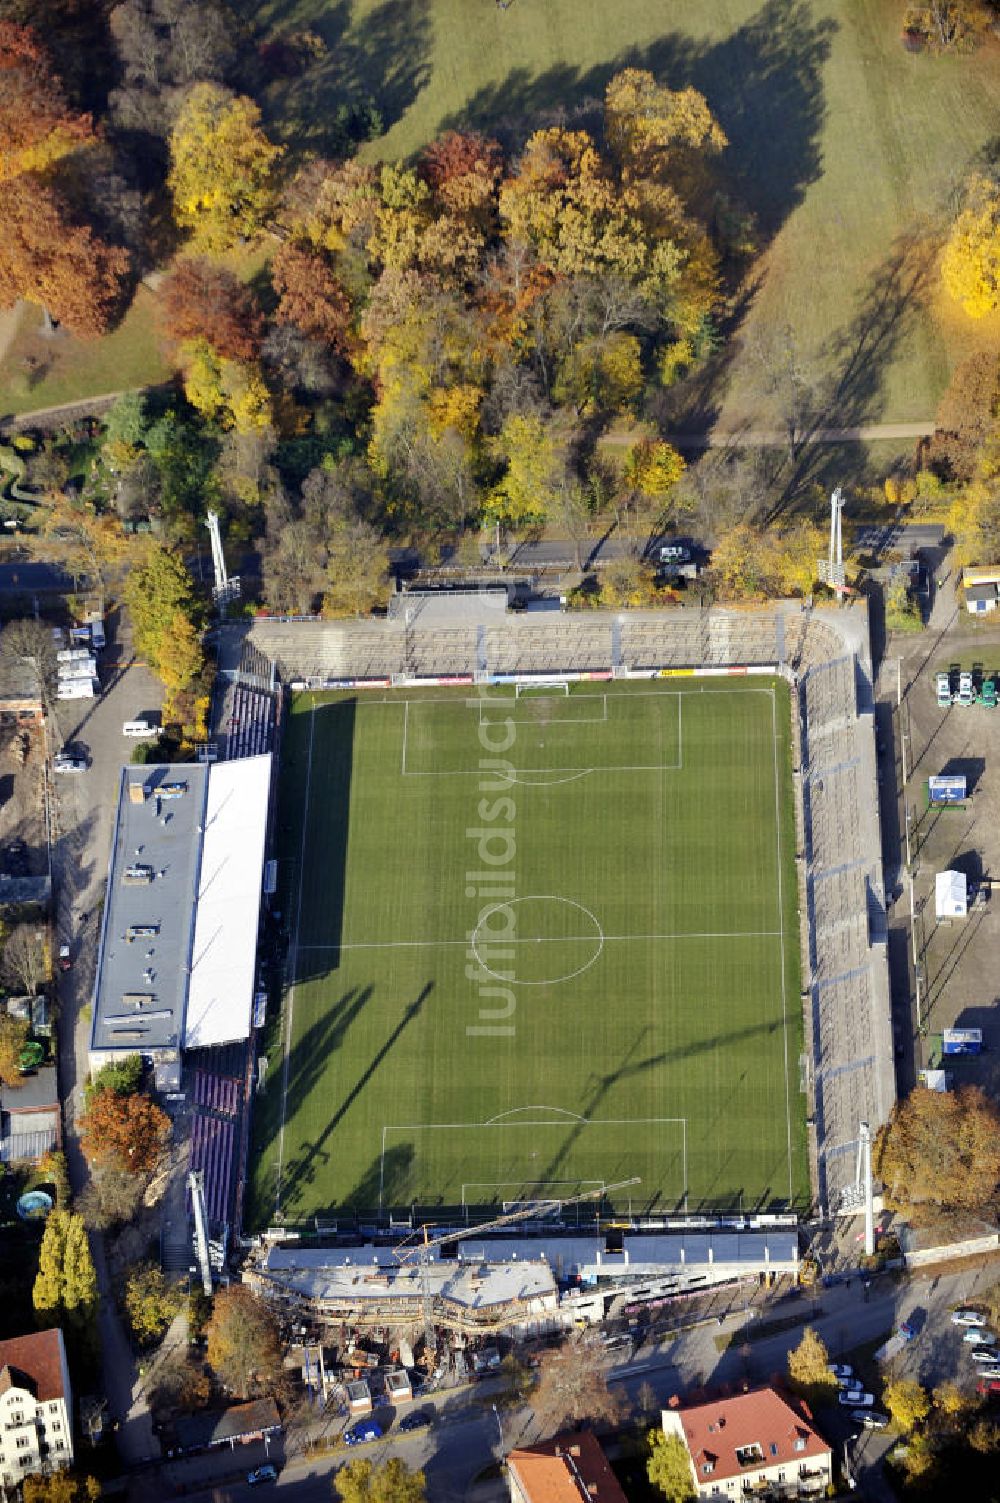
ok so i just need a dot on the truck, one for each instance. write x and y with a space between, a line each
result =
988 694
896 1343
943 684
966 690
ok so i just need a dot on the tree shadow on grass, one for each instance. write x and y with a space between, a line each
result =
852 396
382 57
764 82
309 1164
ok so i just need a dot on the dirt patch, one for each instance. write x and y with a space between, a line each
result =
23 850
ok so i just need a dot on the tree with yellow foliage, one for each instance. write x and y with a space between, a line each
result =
527 491
222 168
750 562
970 265
651 128
653 467
601 375
230 392
908 1403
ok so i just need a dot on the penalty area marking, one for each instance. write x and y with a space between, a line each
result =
545 777
537 1185
494 1125
556 720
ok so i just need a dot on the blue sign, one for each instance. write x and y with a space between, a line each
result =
947 790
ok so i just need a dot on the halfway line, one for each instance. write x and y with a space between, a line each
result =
554 939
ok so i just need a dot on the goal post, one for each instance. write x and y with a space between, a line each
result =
541 686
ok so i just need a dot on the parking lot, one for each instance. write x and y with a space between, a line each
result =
958 956
83 813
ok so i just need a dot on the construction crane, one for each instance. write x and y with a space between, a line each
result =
422 1250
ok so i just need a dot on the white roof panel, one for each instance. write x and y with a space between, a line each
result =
223 961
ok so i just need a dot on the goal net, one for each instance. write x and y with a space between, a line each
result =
542 686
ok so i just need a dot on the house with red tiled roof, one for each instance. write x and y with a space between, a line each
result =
758 1444
568 1469
36 1407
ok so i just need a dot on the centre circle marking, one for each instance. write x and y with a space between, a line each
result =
596 938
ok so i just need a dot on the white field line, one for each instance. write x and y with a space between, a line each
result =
293 964
781 930
536 1122
406 727
553 939
425 697
518 773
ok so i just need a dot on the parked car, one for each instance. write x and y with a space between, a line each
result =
362 1432
870 1419
987 1373
988 1386
978 1337
265 1473
963 1316
984 1354
856 1398
418 1420
966 692
943 691
842 1372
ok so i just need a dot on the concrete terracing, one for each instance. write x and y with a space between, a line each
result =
850 1074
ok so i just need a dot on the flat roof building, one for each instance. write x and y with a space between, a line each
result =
177 956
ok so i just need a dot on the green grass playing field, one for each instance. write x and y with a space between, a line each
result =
539 945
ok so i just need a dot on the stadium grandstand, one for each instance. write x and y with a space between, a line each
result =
176 964
847 1072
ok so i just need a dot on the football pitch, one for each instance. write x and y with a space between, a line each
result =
541 943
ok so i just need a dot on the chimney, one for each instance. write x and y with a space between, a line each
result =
574 1450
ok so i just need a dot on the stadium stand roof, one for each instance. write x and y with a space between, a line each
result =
472 1286
433 608
145 949
178 939
642 1255
223 967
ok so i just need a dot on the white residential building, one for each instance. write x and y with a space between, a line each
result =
36 1407
758 1444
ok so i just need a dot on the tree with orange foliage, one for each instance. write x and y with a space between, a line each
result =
310 295
939 1153
244 1344
460 154
63 267
37 126
201 300
124 1132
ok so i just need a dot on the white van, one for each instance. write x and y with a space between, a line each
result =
139 729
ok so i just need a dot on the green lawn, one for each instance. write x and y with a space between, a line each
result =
847 147
636 1011
47 371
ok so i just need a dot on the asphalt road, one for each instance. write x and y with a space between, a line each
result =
83 818
464 1440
